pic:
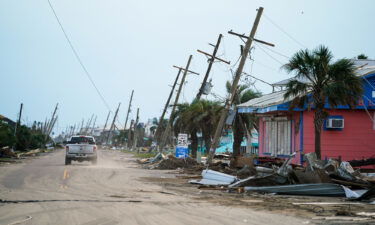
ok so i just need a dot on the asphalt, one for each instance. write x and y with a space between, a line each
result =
45 191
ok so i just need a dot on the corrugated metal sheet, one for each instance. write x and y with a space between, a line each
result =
330 190
211 177
265 100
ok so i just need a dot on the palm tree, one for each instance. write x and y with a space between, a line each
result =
243 123
199 116
318 80
207 116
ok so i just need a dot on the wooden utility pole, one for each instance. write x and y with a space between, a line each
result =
229 100
158 129
136 131
169 125
129 134
73 130
18 123
93 125
211 61
52 125
254 39
18 120
51 122
44 126
88 125
105 126
129 109
113 122
80 129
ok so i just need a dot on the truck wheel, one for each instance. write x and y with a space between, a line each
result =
68 161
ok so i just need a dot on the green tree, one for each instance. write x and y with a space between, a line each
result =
243 123
6 135
199 116
362 56
183 122
318 80
206 114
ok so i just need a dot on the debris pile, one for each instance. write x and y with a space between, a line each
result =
318 178
169 162
7 152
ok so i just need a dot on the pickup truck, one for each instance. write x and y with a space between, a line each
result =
81 148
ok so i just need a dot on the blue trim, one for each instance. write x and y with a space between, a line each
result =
283 107
291 136
368 83
369 76
301 137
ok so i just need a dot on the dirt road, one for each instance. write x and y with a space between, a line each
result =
45 191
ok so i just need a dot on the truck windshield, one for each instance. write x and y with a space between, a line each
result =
79 140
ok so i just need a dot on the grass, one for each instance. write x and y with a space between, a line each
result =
144 155
141 155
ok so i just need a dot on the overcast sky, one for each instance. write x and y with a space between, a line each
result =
133 44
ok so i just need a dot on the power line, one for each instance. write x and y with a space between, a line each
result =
257 79
78 58
282 30
278 53
261 48
266 66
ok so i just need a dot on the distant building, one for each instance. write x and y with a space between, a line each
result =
347 133
6 120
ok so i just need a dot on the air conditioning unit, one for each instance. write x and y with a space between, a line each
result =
335 123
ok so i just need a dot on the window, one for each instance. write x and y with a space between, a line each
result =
79 140
278 137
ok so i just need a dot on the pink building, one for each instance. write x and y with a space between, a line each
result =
347 133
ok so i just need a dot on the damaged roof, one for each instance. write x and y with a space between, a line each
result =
275 101
266 100
363 68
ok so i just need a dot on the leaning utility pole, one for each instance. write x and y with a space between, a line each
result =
135 131
93 126
158 129
113 123
44 126
105 126
18 123
169 125
18 120
229 100
129 107
51 122
80 129
73 130
129 134
87 128
211 61
52 125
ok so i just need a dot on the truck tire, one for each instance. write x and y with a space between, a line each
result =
68 161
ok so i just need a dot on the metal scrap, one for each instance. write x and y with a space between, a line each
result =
331 190
211 177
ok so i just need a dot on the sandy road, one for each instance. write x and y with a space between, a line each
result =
45 191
